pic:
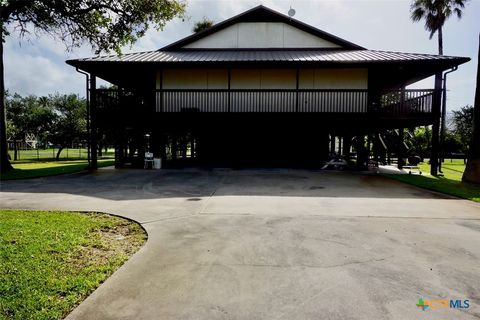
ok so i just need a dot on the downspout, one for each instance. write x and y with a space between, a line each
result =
87 95
444 115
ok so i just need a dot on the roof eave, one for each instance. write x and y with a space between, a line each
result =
454 61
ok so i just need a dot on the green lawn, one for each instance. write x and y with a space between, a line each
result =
51 153
451 182
25 169
51 261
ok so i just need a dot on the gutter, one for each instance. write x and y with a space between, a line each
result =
444 115
87 81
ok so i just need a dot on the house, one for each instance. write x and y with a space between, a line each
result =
259 89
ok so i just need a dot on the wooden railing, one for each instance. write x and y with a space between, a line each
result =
404 102
392 102
262 100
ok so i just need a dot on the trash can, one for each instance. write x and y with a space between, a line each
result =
157 163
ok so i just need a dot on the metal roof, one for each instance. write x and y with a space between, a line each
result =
308 55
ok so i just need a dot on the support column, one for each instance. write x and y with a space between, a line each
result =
400 148
184 146
119 139
163 147
347 143
361 152
369 147
376 148
93 122
174 147
332 144
437 98
192 146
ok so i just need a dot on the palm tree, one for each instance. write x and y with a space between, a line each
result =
435 13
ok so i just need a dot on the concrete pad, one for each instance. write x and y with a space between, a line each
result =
274 244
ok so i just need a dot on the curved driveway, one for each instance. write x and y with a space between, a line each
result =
273 244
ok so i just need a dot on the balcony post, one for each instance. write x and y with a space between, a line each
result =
373 100
402 100
160 86
229 88
297 85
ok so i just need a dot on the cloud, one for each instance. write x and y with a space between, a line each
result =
35 74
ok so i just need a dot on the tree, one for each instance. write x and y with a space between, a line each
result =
419 141
472 171
27 116
453 143
435 13
105 24
70 124
203 24
462 121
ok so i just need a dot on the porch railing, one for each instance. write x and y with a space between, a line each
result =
392 102
237 100
404 102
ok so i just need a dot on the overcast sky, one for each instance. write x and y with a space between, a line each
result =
37 66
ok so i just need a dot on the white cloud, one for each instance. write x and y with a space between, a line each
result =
35 74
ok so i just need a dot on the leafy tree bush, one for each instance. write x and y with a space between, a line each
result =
28 116
70 125
203 24
57 119
462 123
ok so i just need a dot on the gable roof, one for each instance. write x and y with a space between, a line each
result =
261 14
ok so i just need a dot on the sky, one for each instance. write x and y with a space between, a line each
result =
36 65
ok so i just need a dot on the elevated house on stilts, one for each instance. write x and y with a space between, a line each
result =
259 89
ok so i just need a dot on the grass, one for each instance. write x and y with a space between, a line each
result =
50 261
50 154
25 169
450 183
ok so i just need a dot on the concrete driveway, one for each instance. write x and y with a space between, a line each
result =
274 244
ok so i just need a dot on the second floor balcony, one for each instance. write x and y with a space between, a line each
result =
341 101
